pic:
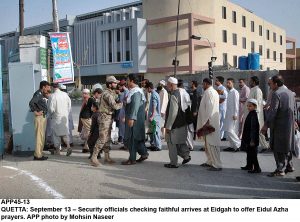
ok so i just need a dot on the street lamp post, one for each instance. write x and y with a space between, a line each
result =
175 61
55 16
212 58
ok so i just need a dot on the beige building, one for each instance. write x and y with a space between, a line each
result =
293 58
232 31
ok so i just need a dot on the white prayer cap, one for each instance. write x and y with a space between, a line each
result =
253 101
86 91
61 86
173 80
97 86
162 82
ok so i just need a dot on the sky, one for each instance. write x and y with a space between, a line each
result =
283 13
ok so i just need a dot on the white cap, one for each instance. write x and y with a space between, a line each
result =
173 80
253 101
97 86
86 91
61 86
163 82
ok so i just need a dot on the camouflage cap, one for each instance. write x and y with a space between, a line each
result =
112 79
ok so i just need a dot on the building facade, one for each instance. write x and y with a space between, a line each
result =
228 31
105 42
139 37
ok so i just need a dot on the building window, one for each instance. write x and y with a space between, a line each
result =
268 34
244 21
281 40
261 67
268 53
274 56
235 61
252 47
252 26
109 19
274 37
128 44
104 47
261 50
260 30
119 59
110 46
127 15
244 43
234 16
224 36
225 61
224 12
234 39
118 17
281 57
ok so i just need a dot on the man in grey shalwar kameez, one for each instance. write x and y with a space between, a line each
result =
176 127
280 120
135 122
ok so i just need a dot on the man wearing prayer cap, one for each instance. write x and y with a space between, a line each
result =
176 127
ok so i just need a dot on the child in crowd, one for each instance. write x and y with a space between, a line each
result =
94 132
250 138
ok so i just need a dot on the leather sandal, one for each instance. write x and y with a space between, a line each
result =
168 165
128 162
142 158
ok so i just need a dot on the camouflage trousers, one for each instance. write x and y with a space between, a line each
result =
105 125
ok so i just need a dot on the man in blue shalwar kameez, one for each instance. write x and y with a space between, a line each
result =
135 122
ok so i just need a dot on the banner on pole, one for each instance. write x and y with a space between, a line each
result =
63 71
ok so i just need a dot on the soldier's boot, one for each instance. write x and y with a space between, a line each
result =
107 159
94 160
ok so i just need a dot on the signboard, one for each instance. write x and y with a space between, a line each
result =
63 71
44 58
127 65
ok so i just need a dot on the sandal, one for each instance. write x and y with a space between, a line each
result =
142 158
128 162
276 173
205 165
168 165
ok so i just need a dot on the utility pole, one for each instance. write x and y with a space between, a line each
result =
55 16
175 61
21 17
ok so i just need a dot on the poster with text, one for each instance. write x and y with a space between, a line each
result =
63 71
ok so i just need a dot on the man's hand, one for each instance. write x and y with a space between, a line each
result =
234 118
130 122
264 129
123 120
195 114
168 131
40 113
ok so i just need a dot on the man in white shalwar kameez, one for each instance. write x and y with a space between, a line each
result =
164 99
209 114
223 94
231 125
59 107
256 93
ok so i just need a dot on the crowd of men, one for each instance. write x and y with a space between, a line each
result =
173 113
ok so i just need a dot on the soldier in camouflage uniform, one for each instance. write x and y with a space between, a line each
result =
107 108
